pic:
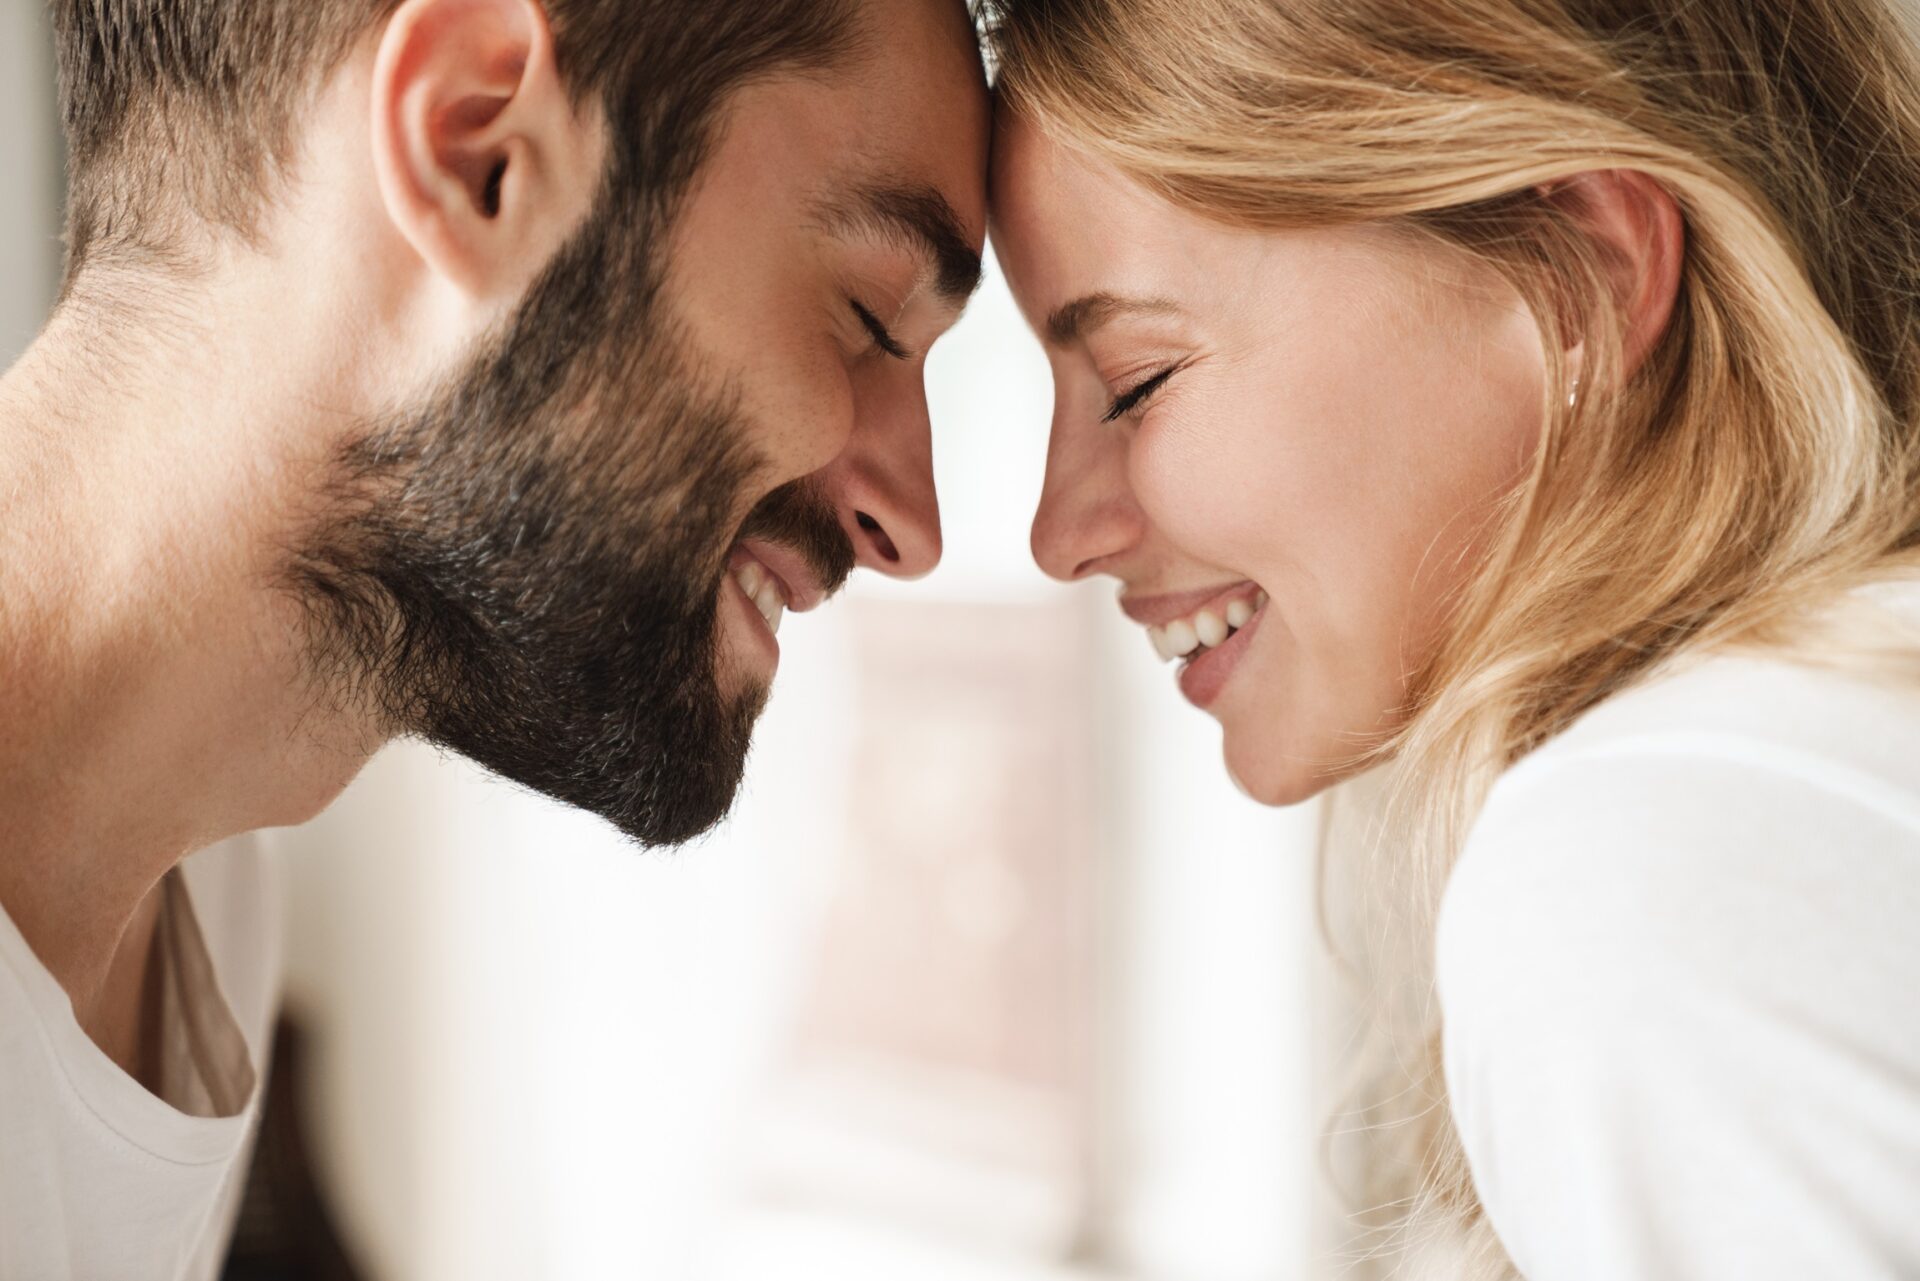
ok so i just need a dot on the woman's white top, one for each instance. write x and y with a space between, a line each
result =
1679 969
101 1179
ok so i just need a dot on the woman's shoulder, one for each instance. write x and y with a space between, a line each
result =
1742 832
1755 717
1680 941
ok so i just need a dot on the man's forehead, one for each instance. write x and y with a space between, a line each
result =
924 107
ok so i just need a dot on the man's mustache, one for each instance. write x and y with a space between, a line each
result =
798 515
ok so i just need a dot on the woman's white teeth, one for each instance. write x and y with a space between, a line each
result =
764 591
1205 629
1209 627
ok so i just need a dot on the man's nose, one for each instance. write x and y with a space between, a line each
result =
1087 514
882 485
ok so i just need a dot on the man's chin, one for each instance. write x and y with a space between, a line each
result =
683 795
654 831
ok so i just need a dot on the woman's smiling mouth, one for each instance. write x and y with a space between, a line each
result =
1205 631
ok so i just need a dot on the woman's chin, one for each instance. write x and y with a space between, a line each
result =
1271 778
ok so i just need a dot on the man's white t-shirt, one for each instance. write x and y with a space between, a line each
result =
101 1179
1679 969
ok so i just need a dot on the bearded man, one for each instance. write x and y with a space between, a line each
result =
493 372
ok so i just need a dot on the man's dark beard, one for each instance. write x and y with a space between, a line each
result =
526 570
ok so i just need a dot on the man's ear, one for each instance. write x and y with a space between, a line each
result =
1642 236
482 163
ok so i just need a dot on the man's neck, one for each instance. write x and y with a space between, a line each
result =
152 691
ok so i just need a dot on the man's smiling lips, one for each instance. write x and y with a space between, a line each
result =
772 578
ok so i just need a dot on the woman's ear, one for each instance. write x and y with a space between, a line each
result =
1642 237
482 162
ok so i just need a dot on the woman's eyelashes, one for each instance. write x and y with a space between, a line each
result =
1138 394
882 337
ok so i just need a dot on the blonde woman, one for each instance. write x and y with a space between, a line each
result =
1527 393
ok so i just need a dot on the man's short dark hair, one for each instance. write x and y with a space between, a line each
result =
179 111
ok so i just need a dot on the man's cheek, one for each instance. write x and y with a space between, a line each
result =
800 414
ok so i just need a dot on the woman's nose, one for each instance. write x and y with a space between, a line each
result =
1087 514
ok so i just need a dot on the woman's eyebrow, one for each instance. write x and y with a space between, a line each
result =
1087 313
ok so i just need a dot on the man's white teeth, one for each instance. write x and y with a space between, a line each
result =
1205 629
764 591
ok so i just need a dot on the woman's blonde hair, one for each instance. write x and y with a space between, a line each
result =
1763 458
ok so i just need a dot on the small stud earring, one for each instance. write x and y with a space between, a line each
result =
1573 393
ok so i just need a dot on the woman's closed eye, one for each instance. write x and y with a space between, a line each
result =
1136 396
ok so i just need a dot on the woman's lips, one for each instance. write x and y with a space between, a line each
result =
1204 677
1206 630
1202 623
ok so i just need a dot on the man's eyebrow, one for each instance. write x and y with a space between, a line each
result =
1077 319
919 217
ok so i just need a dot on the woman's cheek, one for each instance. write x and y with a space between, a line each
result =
1201 479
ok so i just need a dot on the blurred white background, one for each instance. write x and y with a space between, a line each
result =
993 976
